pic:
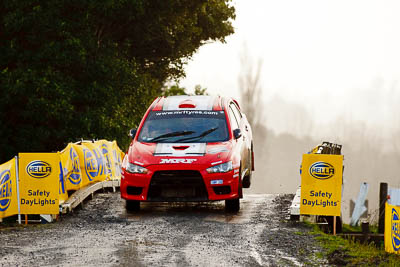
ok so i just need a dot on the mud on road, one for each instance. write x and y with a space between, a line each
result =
102 233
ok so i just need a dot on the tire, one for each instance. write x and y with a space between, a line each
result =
247 181
252 158
132 205
232 205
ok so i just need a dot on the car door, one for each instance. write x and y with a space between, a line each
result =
237 121
247 135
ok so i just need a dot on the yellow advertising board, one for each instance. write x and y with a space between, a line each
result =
8 190
39 175
392 228
321 184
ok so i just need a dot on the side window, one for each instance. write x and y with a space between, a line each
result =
237 112
234 121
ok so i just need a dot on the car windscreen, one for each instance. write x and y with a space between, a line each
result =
184 126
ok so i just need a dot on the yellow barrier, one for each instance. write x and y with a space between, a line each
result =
8 189
392 228
46 178
70 176
117 156
91 162
88 162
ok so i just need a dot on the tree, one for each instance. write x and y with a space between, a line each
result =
174 90
250 89
88 69
200 91
177 90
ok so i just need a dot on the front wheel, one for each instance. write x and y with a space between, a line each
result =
247 181
232 205
132 205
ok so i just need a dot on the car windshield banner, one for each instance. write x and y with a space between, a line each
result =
321 184
157 115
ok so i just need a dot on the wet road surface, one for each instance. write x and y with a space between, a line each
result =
102 233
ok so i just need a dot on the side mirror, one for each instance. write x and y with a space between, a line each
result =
237 133
132 133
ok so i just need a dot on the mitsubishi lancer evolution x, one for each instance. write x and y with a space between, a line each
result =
189 148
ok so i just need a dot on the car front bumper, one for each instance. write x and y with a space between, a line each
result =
175 184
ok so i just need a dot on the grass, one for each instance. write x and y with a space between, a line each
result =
344 252
299 233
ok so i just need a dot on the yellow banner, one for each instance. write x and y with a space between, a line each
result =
321 184
117 156
392 228
62 190
71 169
91 162
8 190
39 175
106 150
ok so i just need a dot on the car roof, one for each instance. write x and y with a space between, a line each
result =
188 102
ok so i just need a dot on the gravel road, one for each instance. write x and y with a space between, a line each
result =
164 234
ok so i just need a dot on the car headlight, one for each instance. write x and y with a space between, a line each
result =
224 167
133 168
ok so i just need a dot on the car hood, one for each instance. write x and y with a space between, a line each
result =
146 154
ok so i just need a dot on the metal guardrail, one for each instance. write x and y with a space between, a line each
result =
327 148
81 195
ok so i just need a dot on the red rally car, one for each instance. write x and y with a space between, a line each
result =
189 148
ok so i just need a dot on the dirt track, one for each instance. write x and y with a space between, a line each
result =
164 234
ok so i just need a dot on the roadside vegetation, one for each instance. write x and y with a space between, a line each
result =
346 252
88 69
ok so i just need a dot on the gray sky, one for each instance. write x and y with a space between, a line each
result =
330 58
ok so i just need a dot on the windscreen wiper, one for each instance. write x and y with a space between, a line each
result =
203 134
178 133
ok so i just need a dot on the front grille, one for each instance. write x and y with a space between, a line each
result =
177 186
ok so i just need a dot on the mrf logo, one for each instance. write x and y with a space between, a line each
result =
322 170
5 190
75 175
395 230
187 161
38 169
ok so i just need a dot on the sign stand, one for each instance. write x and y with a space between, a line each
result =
334 225
17 182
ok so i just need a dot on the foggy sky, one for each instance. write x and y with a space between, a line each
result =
335 58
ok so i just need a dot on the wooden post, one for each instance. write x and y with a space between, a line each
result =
26 219
383 193
334 225
365 231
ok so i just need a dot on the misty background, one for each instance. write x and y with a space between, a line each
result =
307 72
